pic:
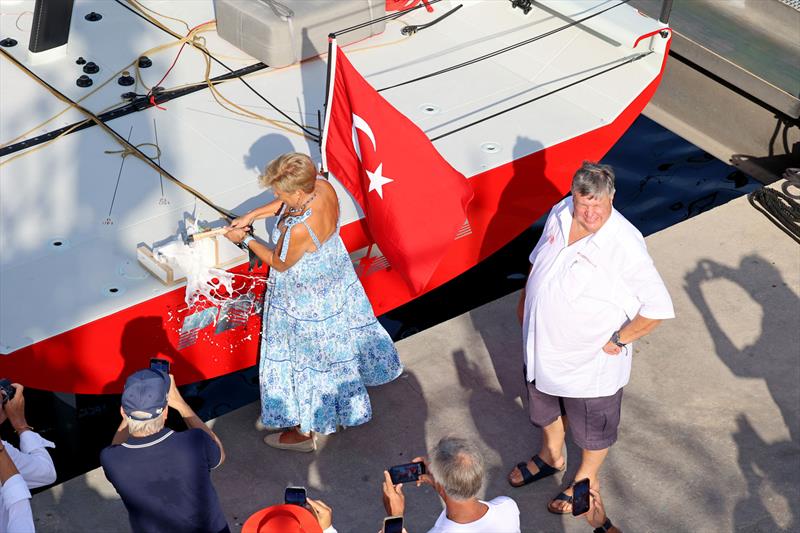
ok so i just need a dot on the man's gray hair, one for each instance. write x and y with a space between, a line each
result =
593 180
458 466
144 428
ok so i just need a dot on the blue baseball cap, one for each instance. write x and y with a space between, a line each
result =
145 392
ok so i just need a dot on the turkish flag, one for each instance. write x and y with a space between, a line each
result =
413 200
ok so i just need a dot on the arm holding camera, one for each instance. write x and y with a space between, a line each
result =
176 401
32 461
122 433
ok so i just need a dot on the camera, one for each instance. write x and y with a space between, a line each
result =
7 391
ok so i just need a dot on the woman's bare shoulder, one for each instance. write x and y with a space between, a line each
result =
325 187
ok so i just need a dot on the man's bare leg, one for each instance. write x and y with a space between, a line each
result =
552 451
591 461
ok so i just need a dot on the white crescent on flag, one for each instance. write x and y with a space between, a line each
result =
376 179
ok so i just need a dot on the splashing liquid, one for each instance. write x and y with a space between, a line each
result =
197 261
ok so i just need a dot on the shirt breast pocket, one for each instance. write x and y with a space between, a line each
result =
579 277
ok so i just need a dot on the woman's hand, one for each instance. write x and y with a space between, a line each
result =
242 222
235 235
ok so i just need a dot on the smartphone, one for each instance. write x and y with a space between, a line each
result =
580 497
406 473
393 524
295 496
159 364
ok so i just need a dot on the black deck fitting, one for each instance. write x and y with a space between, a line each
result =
126 79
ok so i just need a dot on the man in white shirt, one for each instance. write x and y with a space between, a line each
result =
21 469
456 471
591 292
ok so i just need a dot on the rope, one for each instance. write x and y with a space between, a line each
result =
111 78
379 19
779 208
503 50
792 177
636 57
121 140
140 13
126 151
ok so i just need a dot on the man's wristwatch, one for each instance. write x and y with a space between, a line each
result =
605 527
615 339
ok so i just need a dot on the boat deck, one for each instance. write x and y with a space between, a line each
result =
710 438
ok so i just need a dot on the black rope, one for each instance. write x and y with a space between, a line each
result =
211 56
122 141
380 19
626 62
779 208
503 50
139 103
410 30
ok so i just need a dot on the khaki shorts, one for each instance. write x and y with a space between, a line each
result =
593 422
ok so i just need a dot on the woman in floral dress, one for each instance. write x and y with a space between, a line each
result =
321 341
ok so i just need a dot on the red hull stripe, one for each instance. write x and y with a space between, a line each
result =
97 357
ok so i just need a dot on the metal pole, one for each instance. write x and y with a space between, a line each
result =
666 9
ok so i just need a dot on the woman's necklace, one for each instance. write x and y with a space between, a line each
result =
305 204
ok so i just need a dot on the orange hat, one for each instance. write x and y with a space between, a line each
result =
282 518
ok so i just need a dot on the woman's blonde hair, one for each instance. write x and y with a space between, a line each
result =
289 173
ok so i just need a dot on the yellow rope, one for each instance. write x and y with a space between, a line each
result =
194 40
126 151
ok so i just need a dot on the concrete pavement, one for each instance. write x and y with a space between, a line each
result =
710 433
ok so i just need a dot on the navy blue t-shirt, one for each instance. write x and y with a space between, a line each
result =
165 482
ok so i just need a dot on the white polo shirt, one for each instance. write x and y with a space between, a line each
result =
578 296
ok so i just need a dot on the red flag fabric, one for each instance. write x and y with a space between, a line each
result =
413 200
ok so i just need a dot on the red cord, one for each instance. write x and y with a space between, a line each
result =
403 5
151 95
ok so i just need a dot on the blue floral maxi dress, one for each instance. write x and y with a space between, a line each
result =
321 341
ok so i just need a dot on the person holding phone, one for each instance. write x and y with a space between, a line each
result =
596 515
163 476
298 514
321 343
456 471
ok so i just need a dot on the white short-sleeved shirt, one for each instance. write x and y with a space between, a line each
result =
502 517
577 296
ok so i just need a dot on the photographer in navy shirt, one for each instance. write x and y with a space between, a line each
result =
163 476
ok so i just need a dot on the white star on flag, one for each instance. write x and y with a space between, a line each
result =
377 180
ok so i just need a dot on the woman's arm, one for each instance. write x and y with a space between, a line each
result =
298 245
271 209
